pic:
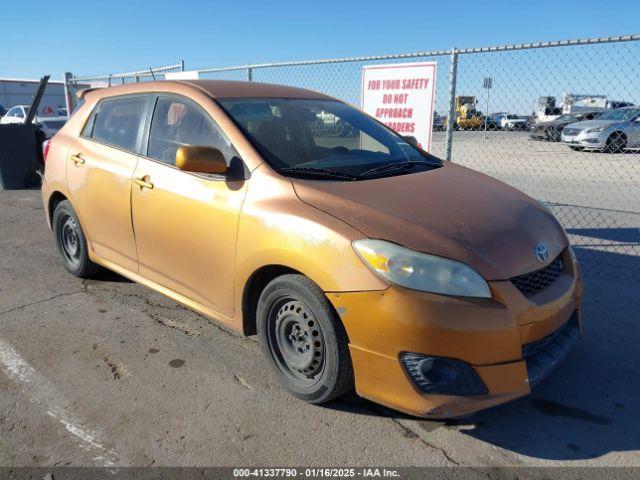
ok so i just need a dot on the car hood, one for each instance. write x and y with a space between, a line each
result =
557 123
587 124
451 211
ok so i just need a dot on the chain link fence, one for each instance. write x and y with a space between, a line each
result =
594 193
74 84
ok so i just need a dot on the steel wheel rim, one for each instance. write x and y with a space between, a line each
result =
296 341
69 240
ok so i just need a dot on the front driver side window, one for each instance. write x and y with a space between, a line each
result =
177 123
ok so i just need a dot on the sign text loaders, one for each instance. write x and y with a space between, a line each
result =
401 96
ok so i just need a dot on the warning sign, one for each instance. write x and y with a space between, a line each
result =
401 96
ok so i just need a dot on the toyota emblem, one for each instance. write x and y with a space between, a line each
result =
542 254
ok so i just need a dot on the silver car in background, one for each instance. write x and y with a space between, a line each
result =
611 132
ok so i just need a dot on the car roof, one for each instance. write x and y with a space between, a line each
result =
214 88
237 89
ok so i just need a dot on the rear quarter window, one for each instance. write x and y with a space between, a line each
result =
117 122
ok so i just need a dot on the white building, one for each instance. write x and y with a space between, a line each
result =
18 91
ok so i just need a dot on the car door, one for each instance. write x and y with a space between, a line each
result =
185 224
99 172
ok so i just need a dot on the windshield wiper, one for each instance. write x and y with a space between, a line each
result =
321 172
388 167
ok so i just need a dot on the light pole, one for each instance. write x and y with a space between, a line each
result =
488 81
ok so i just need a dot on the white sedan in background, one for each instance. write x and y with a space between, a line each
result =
49 124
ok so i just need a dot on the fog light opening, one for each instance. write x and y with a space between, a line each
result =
439 375
426 365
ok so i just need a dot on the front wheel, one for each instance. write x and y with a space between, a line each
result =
616 143
303 339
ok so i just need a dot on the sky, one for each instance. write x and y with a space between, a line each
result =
87 38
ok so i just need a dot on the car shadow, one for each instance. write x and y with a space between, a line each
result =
612 266
105 275
626 235
588 407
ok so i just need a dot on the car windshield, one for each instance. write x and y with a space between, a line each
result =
313 136
621 114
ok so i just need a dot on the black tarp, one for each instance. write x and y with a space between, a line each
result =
19 156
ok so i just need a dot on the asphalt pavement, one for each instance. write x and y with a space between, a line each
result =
106 372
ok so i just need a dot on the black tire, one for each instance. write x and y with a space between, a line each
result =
616 143
32 179
71 241
553 135
577 149
303 339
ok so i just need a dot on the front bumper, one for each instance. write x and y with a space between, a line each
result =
544 355
594 141
538 133
488 334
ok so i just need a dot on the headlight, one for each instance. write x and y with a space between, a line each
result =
595 130
420 271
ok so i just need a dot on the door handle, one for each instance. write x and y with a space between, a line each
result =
77 159
143 182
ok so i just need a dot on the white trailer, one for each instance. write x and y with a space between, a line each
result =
575 103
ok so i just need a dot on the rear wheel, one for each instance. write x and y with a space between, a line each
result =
71 242
616 142
577 149
303 340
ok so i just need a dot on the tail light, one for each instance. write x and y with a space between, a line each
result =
46 145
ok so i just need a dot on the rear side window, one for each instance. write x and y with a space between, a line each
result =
178 123
117 122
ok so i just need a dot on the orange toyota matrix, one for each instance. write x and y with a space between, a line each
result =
359 260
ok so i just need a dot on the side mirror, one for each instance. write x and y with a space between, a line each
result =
201 160
411 140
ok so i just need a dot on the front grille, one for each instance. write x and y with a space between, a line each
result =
531 283
571 131
544 355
